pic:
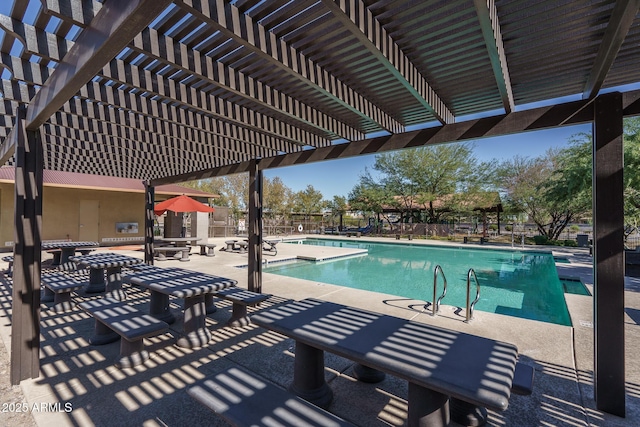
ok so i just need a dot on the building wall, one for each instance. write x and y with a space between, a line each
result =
61 214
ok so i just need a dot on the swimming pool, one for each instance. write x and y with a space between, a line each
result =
515 283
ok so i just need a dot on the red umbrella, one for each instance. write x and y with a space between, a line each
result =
181 204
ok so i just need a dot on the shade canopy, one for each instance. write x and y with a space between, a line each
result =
181 204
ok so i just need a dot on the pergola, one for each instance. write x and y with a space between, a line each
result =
174 90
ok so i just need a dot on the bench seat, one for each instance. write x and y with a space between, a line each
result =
244 399
116 319
240 298
523 380
161 252
58 287
207 249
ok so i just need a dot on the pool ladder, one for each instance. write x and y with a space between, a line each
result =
435 307
470 306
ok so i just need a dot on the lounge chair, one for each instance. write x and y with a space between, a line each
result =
270 246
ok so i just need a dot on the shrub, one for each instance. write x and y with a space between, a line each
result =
571 242
508 227
493 227
541 240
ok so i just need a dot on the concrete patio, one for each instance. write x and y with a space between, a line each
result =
91 391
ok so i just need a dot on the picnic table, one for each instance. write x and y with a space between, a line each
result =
112 263
178 241
438 363
180 283
66 249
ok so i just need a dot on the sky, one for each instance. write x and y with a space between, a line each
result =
338 177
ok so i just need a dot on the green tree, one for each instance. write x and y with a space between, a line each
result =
308 201
524 182
369 197
427 176
233 191
276 198
338 207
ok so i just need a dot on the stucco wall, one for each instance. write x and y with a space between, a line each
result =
61 213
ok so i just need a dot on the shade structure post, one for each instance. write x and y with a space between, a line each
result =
608 254
148 222
25 320
255 228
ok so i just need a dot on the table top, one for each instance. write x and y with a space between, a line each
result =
472 368
178 239
65 244
104 260
178 282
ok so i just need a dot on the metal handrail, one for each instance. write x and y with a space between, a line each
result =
436 302
470 306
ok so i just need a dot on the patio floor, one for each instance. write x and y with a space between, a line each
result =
96 393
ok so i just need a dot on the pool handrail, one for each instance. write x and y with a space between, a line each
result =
470 306
436 302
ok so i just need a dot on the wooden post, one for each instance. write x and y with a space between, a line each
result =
255 228
148 222
608 254
25 320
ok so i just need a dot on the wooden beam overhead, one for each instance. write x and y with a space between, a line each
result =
358 19
240 27
146 81
115 25
78 13
571 113
623 14
36 74
173 53
488 17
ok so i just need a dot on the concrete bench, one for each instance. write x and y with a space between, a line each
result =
243 246
58 288
116 319
231 245
240 298
523 380
207 249
244 399
162 251
8 259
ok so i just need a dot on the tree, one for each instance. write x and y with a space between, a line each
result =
367 196
308 201
276 198
427 176
233 191
524 180
338 207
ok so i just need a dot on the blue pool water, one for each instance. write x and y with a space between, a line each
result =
515 283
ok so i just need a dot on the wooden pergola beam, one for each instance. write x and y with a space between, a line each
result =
205 68
229 20
488 17
78 13
146 81
115 25
36 74
571 113
358 19
622 17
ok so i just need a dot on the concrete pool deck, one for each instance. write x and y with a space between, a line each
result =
74 373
